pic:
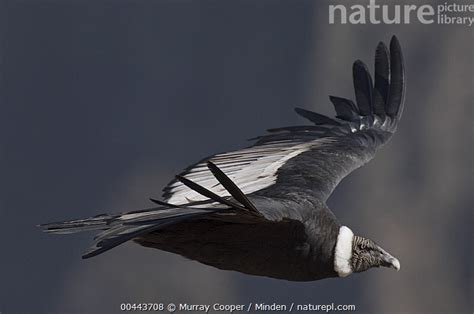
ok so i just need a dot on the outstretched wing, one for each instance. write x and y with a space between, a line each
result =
312 159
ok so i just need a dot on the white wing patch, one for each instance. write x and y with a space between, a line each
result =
252 169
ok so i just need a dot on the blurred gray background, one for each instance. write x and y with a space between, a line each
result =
102 102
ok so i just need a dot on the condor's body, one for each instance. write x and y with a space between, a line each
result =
280 250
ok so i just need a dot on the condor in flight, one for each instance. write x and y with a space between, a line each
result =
262 210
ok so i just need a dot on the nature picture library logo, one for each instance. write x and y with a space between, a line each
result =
371 12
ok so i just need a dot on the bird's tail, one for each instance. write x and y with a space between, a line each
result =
119 228
72 226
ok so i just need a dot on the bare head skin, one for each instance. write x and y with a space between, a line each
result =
355 254
366 254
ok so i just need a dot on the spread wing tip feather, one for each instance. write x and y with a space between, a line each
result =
396 99
379 102
384 97
389 79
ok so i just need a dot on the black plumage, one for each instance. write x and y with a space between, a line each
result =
382 72
363 88
396 96
262 210
345 108
316 118
230 186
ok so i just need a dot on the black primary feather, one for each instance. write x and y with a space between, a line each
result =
396 96
232 188
345 108
316 118
207 193
363 88
382 72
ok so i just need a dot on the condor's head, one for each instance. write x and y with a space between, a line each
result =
357 254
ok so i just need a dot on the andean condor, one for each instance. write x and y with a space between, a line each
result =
262 210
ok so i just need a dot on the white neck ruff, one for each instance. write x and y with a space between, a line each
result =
343 252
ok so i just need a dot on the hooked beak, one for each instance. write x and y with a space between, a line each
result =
388 260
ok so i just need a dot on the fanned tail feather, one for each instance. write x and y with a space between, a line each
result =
79 225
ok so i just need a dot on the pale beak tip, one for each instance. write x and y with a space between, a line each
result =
395 264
